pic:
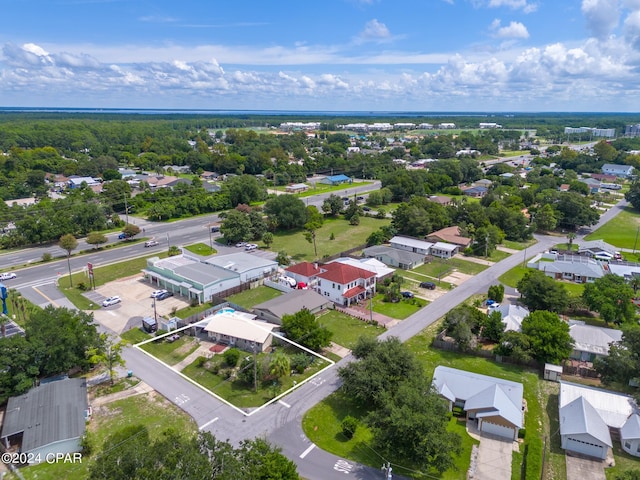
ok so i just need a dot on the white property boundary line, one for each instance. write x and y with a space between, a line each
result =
246 414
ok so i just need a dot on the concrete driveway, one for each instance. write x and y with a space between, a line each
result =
494 458
582 468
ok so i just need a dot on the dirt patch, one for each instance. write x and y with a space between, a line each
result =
217 348
185 348
457 278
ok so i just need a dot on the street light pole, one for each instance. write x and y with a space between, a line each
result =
636 242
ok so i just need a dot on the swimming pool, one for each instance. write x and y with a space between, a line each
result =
225 310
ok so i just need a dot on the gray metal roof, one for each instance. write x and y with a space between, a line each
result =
203 273
411 242
584 269
50 413
631 428
579 417
592 339
241 262
484 392
400 256
596 245
293 302
512 316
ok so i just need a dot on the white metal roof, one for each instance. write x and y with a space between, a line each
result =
410 242
579 417
631 429
592 339
238 327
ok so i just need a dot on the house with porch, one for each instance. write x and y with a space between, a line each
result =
410 244
449 235
345 284
240 330
625 171
395 257
573 268
493 404
444 250
291 303
591 342
304 272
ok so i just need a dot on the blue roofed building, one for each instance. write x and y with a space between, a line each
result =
336 179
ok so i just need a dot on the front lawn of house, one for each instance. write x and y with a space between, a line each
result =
254 296
346 330
621 230
201 249
171 352
400 310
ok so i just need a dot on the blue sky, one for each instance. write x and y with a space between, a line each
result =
369 55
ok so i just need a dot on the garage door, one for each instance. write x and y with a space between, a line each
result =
585 448
500 430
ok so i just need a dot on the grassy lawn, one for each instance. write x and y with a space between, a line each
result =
497 256
188 311
624 462
401 310
174 352
513 276
239 393
413 279
322 425
135 335
255 296
201 249
620 231
345 236
101 275
319 188
346 330
444 267
519 245
152 411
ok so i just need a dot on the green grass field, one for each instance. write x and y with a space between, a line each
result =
171 353
201 249
401 310
621 231
345 236
346 330
444 267
255 296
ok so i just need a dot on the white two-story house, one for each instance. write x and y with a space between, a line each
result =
345 284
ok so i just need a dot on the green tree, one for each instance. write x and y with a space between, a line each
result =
463 324
61 339
545 218
286 211
349 426
303 328
231 356
515 345
97 239
173 251
68 243
610 296
332 205
633 195
623 361
411 426
486 239
130 230
314 222
540 292
496 292
244 189
282 258
19 371
571 236
267 239
279 365
548 335
493 327
381 367
108 353
236 226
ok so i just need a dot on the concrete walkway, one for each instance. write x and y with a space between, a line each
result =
201 351
582 468
140 389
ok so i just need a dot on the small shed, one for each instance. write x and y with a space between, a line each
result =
168 325
552 372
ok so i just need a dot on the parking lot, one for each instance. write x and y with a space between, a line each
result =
136 304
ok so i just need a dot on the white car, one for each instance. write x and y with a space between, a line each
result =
7 276
240 244
111 301
250 246
157 293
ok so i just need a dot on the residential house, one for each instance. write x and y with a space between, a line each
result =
336 180
467 151
628 270
126 173
395 257
411 245
345 284
48 419
444 250
581 425
483 182
625 171
209 175
449 235
441 200
564 187
371 264
297 188
598 249
446 126
592 183
475 192
304 272
75 181
240 330
495 405
512 316
591 342
290 303
573 268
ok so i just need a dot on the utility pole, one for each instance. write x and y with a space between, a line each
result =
126 208
210 238
155 312
486 246
255 368
636 242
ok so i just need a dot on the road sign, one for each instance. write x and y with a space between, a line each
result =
90 268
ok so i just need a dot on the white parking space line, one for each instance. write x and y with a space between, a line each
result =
283 403
306 452
207 424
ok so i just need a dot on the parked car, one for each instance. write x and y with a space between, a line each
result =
151 243
111 301
157 293
7 276
366 209
164 295
428 285
406 294
360 199
250 246
122 236
215 228
241 244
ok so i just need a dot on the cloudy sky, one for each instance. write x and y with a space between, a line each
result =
365 55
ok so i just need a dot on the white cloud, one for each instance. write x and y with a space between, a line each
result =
523 5
602 16
375 30
513 30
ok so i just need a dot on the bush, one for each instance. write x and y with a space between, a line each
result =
522 433
349 426
533 460
200 361
231 357
46 257
299 362
83 287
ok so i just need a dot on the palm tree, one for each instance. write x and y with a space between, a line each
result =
69 243
571 237
635 284
280 365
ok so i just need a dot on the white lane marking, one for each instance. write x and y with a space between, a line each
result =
343 466
207 424
283 403
306 452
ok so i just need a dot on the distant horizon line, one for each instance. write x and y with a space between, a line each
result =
286 112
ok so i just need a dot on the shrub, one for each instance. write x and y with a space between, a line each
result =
299 362
231 357
533 460
521 433
349 426
200 361
46 257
